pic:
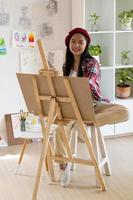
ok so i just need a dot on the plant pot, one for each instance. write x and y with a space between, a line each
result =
126 24
124 61
97 58
123 92
94 27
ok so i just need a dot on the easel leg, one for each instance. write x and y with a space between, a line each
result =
50 164
46 164
44 145
21 154
39 171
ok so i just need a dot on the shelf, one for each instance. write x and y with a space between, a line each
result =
119 66
100 32
120 31
107 32
130 99
106 67
112 41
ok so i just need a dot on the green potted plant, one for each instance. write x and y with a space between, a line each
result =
95 51
125 19
125 57
124 76
94 21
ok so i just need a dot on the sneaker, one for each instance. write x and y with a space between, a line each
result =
66 175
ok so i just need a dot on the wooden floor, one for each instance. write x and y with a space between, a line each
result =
82 186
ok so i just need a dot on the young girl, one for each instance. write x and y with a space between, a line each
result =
79 62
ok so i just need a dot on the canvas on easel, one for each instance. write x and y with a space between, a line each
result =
62 105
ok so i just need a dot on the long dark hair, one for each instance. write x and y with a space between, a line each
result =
69 61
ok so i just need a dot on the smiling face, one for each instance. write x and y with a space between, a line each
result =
77 44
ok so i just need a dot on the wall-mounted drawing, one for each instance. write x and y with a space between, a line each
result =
45 29
52 7
4 17
3 48
23 39
29 61
51 59
55 59
24 21
23 18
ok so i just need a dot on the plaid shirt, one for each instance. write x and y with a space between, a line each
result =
91 70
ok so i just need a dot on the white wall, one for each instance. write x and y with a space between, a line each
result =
11 99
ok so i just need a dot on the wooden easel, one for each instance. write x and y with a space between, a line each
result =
48 101
45 71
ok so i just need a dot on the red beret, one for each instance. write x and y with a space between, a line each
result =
77 30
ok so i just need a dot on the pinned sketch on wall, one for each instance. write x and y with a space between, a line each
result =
45 30
3 48
4 17
23 39
52 7
51 59
30 62
23 18
55 59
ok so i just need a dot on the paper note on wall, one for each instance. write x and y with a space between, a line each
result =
23 39
30 61
3 48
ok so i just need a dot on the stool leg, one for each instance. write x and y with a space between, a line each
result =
95 145
74 141
99 177
94 140
103 152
